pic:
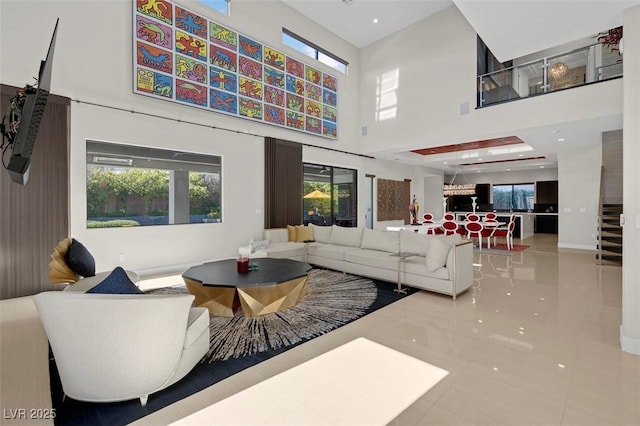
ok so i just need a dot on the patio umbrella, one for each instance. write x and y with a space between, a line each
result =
316 195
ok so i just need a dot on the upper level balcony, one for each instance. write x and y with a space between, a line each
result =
591 64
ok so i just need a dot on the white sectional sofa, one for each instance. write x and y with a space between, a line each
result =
441 264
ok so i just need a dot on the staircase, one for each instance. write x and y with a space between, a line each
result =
610 235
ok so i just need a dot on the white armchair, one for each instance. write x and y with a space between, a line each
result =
116 347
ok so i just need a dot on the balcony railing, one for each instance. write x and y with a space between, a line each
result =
586 65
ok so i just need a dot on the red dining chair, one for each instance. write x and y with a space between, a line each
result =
449 227
428 220
506 233
474 229
472 217
449 216
490 216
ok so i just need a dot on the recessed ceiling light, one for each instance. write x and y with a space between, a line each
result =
555 131
479 159
520 155
445 162
561 139
479 171
508 170
542 167
375 20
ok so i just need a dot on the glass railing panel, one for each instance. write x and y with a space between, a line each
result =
569 70
576 68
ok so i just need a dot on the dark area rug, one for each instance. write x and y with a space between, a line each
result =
335 299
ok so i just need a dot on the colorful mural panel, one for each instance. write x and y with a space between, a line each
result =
191 69
273 77
182 56
274 115
274 95
157 9
154 32
250 48
191 46
250 108
223 36
189 92
273 58
224 102
223 79
250 88
191 23
154 57
223 58
250 68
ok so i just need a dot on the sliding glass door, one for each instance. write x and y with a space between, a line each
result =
330 195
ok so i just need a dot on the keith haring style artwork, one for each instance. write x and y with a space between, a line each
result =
313 92
154 57
250 88
295 120
158 9
223 58
154 32
223 36
223 79
223 101
191 46
313 125
187 91
154 83
182 56
250 108
274 115
273 58
191 69
250 68
274 95
250 48
191 23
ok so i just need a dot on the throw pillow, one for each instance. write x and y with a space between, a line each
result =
80 260
117 282
437 254
304 233
292 232
321 234
388 241
342 236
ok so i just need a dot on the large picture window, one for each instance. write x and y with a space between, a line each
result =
330 195
513 197
139 186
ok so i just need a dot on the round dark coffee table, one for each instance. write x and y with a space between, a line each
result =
276 284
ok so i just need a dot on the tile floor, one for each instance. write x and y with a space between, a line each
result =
534 342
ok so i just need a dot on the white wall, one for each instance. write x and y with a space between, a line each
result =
630 328
578 197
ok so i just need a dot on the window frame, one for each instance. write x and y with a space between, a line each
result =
314 51
513 190
180 167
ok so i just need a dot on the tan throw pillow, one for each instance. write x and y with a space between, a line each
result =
304 233
292 232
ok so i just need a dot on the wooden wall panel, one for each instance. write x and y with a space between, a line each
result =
282 183
393 203
34 217
612 165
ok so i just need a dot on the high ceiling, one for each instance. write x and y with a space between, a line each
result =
532 26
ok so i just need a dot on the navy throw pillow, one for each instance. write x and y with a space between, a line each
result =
117 282
80 260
